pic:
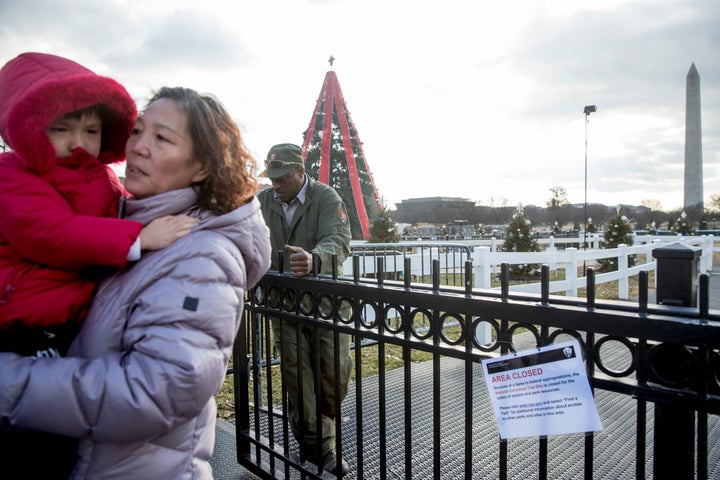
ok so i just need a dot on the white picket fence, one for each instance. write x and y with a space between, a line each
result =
487 260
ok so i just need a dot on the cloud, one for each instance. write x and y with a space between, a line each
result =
624 57
453 98
182 40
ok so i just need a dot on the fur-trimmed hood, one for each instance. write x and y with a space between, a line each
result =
37 88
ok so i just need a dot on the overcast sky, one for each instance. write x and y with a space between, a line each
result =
480 100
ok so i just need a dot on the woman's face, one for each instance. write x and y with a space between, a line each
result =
160 152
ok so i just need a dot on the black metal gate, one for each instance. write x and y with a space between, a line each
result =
654 369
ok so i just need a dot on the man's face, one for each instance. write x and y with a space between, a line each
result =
287 187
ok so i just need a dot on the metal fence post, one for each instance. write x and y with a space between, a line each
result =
674 447
677 272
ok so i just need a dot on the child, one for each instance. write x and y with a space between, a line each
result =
58 219
59 198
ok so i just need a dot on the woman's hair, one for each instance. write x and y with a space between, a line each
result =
219 147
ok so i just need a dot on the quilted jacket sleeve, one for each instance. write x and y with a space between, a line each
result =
176 346
40 225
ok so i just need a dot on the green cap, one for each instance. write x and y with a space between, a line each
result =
281 159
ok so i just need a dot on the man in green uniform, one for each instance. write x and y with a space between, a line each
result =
306 216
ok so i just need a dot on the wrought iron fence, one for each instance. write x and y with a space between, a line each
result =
451 259
657 367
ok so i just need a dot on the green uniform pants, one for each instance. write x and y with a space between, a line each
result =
294 374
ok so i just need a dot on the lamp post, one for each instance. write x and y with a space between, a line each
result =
587 111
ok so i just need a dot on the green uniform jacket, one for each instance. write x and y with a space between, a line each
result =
320 225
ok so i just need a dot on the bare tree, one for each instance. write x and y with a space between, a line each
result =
652 203
559 197
498 202
714 204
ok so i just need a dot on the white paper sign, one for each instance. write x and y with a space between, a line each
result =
544 391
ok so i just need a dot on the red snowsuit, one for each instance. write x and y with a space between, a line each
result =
51 210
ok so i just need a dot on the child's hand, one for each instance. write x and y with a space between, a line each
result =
163 231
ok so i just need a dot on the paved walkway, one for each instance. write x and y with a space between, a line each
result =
224 461
613 458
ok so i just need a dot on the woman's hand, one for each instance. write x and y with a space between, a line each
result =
163 231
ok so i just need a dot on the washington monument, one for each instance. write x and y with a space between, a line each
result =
693 144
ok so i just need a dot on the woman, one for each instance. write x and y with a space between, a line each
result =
138 383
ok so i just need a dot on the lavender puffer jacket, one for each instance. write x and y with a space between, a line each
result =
137 386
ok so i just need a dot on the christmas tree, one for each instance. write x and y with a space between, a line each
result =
653 228
617 231
334 155
519 238
383 228
682 225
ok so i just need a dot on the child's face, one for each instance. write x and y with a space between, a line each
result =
66 134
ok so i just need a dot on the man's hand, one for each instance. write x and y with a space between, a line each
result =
300 261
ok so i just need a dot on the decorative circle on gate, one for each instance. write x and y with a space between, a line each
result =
393 319
258 296
672 365
517 330
346 310
421 324
556 336
325 307
613 359
484 331
307 300
368 315
715 369
289 300
452 329
273 298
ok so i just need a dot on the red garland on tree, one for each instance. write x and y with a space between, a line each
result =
333 155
